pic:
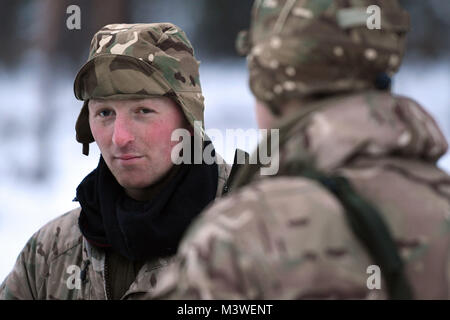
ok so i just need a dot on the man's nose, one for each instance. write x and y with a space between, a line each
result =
123 133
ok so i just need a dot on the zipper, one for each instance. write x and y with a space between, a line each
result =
106 279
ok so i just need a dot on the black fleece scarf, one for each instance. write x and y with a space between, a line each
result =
141 230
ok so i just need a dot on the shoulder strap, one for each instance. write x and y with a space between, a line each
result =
237 165
367 224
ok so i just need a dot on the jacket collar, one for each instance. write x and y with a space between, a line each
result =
370 123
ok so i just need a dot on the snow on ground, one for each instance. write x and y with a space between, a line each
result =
27 205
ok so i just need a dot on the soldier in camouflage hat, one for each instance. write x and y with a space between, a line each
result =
141 83
139 61
358 209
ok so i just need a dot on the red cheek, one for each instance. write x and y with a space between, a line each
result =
161 131
101 135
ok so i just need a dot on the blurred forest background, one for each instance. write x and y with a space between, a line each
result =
40 161
34 35
211 25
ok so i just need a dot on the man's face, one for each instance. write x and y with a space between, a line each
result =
134 137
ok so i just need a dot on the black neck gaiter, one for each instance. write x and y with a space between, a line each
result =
141 230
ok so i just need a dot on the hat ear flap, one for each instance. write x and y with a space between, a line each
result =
82 128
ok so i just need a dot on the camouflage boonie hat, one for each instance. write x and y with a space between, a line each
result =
135 61
301 48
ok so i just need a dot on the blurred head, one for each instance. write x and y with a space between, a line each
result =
139 61
134 137
301 49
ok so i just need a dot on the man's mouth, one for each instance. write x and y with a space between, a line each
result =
127 158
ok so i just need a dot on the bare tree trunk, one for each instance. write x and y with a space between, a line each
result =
51 14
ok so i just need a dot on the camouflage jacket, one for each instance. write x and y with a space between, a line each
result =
286 237
52 264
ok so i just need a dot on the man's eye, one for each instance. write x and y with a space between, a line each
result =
145 110
105 113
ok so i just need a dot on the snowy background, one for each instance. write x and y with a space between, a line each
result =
29 198
27 205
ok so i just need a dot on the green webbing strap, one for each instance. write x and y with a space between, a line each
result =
238 155
368 226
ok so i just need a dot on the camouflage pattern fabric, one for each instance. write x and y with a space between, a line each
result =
136 61
301 48
287 237
50 266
